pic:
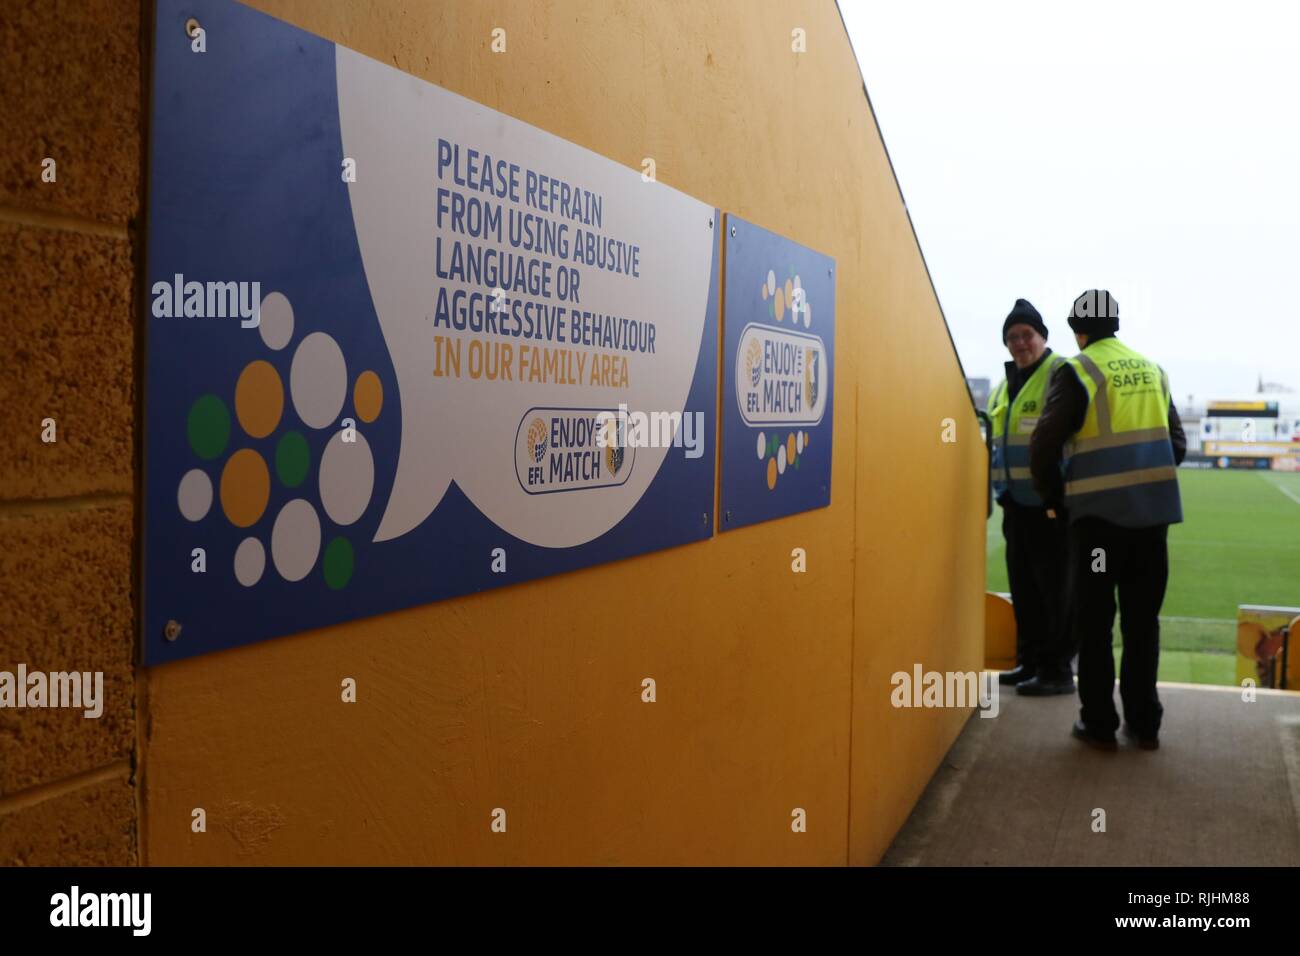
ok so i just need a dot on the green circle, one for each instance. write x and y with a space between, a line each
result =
208 427
338 563
292 459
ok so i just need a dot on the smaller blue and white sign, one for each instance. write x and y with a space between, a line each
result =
778 367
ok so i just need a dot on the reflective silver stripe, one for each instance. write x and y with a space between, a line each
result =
1099 396
1017 439
1020 474
1124 479
1119 439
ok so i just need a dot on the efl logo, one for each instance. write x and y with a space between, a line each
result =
567 449
779 376
102 909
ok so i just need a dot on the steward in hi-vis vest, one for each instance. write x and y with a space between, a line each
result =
1120 463
1013 423
1107 447
1037 556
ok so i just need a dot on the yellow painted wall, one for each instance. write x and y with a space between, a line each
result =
773 687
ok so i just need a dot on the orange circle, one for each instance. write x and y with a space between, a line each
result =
368 396
789 292
764 291
806 438
789 448
780 303
259 398
771 473
245 488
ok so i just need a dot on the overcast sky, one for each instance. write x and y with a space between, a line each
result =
1150 148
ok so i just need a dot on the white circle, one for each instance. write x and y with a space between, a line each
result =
798 443
762 446
250 562
347 477
194 494
295 540
276 321
797 283
318 380
807 313
771 282
780 460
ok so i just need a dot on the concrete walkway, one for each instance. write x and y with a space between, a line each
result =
1223 789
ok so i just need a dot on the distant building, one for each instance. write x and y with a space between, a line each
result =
979 391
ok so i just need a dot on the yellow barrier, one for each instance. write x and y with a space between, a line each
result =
1267 647
999 632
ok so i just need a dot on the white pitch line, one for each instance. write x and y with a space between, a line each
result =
1282 488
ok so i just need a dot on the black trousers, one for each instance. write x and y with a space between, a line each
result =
1105 558
1037 567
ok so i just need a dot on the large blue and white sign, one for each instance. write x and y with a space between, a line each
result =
778 376
400 346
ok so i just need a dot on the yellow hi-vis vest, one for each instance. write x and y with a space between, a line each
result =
1120 465
1013 422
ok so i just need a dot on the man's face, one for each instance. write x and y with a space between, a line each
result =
1025 345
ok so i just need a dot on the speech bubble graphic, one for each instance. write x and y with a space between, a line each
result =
609 279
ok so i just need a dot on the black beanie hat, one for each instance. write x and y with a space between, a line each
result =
1095 313
1023 313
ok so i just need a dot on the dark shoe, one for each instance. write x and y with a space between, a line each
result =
1037 687
1145 743
1017 676
1080 731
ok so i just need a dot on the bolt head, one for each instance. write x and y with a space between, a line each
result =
172 630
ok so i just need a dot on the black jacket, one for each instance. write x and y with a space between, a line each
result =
1063 414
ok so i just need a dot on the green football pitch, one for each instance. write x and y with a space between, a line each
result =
1239 543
